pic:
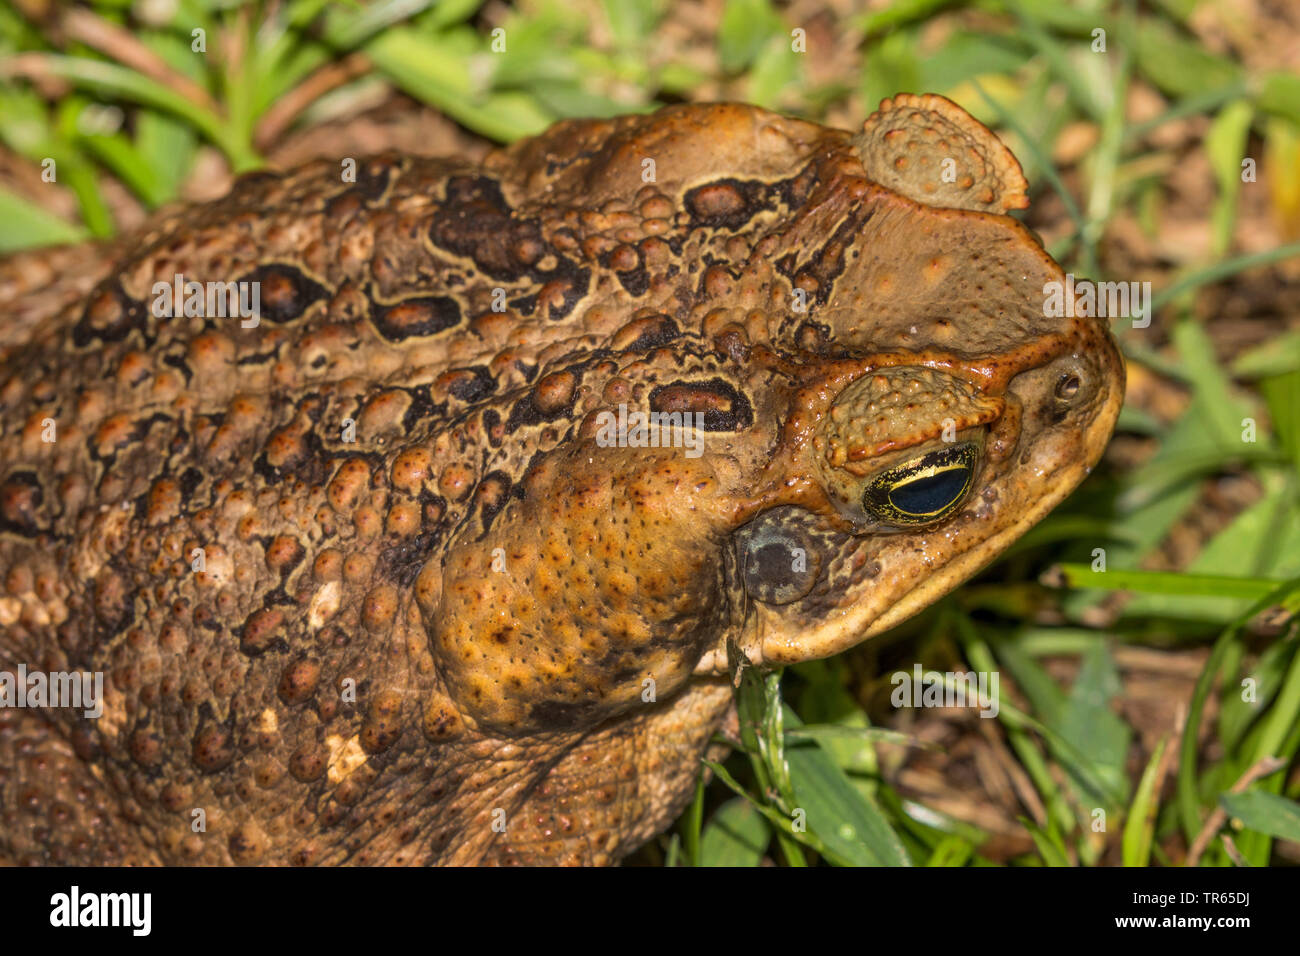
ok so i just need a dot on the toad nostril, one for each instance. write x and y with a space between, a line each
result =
1068 386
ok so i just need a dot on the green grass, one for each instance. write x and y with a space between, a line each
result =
809 782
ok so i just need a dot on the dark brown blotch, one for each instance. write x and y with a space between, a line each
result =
285 292
723 406
726 203
109 316
416 317
20 501
263 630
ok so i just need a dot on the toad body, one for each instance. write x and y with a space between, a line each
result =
430 549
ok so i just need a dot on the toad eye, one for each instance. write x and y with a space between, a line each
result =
925 489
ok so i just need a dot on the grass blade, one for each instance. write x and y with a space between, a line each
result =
1139 828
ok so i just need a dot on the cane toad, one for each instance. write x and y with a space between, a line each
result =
395 567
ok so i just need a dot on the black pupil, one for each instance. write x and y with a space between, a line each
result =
925 496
